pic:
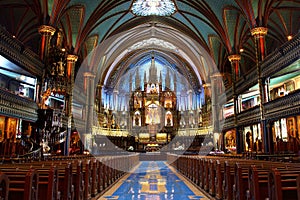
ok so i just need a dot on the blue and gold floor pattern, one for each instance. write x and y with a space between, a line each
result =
153 180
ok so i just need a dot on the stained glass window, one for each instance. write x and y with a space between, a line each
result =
153 7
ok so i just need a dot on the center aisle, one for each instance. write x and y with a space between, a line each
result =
153 180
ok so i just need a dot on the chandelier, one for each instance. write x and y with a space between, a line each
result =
153 7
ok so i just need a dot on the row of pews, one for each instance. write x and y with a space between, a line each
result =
63 178
240 179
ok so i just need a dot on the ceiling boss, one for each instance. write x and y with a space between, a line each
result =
153 7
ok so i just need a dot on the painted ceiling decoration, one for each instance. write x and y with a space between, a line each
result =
153 7
190 30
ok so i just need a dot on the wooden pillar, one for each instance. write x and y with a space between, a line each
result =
71 60
235 63
259 34
47 32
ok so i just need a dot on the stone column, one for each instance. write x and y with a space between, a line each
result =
259 34
189 99
207 97
216 84
235 63
71 60
89 79
115 100
216 80
100 88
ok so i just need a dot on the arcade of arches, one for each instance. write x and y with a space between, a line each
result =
192 83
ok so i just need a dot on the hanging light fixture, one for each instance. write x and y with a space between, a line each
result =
153 7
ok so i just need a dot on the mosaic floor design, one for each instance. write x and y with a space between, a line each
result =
153 180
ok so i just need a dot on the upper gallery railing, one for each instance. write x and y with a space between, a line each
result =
17 106
283 106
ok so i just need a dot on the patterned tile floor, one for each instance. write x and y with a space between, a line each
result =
153 180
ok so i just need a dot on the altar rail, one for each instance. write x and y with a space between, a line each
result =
125 132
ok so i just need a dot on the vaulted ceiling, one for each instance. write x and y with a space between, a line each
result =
198 29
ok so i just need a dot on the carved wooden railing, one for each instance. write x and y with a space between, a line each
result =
279 108
228 123
247 81
33 155
57 138
283 106
17 106
274 62
282 57
249 116
15 51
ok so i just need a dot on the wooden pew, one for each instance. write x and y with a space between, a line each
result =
65 181
258 180
212 177
284 184
4 186
241 180
201 172
206 174
228 181
23 184
95 178
47 182
69 177
86 171
219 179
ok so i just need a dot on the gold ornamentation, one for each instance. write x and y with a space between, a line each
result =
216 75
234 57
47 30
206 85
89 74
72 58
259 31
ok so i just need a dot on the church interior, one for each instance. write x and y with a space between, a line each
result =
150 99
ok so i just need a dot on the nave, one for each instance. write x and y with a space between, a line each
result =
171 177
155 180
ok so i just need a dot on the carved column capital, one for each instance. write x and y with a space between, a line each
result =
216 75
89 74
206 85
47 30
234 58
72 58
259 31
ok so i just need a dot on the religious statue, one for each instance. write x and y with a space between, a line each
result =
45 97
137 120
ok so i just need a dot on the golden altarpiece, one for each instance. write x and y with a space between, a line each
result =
153 110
